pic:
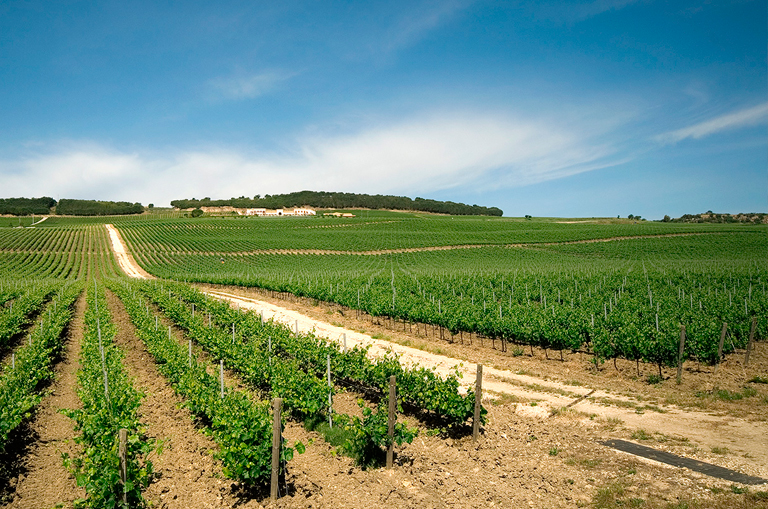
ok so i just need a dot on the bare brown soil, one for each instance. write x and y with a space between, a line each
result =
187 474
43 480
517 462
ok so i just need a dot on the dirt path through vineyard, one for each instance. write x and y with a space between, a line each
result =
742 437
124 257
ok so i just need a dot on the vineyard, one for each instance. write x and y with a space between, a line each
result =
607 292
624 299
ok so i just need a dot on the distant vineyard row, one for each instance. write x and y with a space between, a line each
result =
625 299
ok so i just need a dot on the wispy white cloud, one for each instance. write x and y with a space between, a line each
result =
428 153
734 120
573 12
421 19
248 86
590 9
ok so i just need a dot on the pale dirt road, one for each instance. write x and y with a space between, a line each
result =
738 435
745 439
124 258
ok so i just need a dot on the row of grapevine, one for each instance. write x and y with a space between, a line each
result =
417 387
20 385
222 235
619 309
306 396
241 427
19 310
305 393
109 403
61 253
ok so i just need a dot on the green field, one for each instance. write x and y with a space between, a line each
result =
613 289
617 288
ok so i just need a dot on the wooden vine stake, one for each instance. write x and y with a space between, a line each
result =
276 439
751 340
478 403
121 452
720 346
680 355
330 395
391 421
221 376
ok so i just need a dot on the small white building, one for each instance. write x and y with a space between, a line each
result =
301 211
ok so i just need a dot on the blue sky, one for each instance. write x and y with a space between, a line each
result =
548 108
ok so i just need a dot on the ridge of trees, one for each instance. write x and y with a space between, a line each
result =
26 206
44 205
330 200
97 208
713 217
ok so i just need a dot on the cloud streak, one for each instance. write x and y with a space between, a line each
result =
423 19
248 87
574 12
429 153
735 120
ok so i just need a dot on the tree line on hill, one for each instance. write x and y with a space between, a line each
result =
68 207
327 200
26 206
713 217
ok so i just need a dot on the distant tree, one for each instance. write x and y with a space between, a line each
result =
666 218
197 213
97 208
527 216
26 206
151 206
630 216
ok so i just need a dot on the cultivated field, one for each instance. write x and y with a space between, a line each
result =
578 325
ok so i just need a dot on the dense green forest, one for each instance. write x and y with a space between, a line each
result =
97 208
42 206
26 206
326 200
